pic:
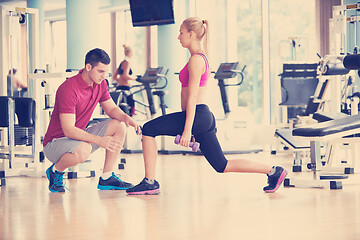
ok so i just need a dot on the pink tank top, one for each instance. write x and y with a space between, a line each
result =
184 74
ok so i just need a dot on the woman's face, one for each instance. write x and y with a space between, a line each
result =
184 36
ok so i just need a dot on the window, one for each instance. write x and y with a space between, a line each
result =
133 37
55 44
292 38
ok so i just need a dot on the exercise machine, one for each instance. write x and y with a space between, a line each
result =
341 136
224 72
20 146
152 83
235 130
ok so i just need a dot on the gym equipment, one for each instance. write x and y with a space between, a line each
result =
150 80
228 71
352 61
194 145
297 76
339 130
236 130
151 83
330 66
21 150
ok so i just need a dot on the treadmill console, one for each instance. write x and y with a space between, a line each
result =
153 74
227 70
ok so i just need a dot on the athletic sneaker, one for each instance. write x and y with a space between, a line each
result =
113 183
145 188
275 180
56 180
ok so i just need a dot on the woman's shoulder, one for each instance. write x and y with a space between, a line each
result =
197 59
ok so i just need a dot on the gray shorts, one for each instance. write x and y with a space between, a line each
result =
55 149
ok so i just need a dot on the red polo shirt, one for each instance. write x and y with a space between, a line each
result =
76 97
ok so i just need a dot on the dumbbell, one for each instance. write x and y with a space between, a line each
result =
194 145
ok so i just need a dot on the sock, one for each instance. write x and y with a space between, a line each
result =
55 169
272 171
106 175
149 181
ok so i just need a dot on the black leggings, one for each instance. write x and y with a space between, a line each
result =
204 131
129 99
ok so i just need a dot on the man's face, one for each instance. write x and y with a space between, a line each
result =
98 73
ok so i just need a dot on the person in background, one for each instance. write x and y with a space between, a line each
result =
19 87
123 78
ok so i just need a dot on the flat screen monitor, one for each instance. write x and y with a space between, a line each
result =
151 12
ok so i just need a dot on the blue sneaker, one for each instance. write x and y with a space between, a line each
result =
113 183
145 188
275 180
56 180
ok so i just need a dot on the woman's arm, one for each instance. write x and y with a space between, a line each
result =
116 76
126 70
195 68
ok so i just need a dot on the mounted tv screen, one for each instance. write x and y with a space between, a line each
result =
151 12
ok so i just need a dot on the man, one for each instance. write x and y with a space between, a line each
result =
68 142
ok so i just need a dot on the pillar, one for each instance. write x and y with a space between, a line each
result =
38 4
81 29
171 54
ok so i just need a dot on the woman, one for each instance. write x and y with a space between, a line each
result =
123 77
195 119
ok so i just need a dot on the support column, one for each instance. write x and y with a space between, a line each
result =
38 4
171 54
82 29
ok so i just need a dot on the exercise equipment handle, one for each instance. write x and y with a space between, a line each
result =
241 73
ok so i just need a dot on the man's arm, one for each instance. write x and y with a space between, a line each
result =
67 121
71 131
113 111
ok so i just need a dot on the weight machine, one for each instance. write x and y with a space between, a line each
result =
22 157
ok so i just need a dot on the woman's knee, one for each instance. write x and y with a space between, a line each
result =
148 130
220 167
82 152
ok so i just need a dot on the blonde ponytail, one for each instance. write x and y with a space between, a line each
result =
127 50
206 36
200 28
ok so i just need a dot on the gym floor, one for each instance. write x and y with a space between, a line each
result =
195 203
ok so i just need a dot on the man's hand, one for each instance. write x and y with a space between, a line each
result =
110 143
130 122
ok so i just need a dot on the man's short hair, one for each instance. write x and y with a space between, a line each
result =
93 57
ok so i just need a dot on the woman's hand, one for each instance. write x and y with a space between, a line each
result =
185 138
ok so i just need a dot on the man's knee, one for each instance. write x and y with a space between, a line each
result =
117 128
82 152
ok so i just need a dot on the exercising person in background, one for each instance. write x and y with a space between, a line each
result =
19 87
122 76
195 119
68 141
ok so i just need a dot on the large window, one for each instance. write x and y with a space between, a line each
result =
133 37
55 44
249 52
292 39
